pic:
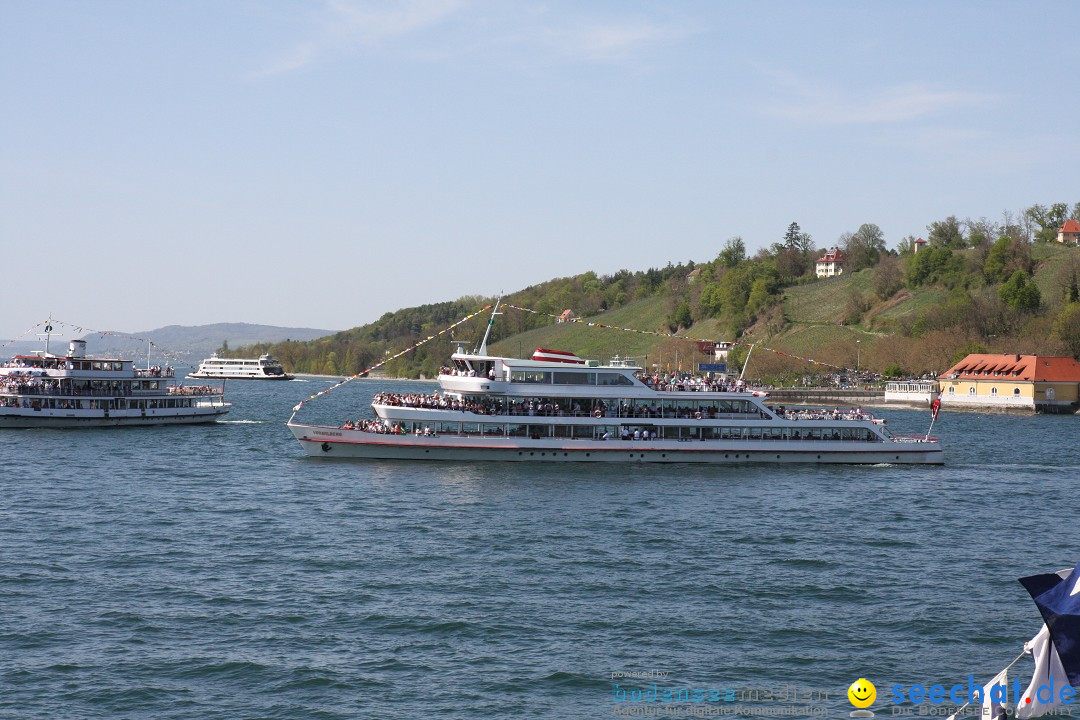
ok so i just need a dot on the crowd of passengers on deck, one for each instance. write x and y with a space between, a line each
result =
373 426
685 382
563 408
663 382
24 385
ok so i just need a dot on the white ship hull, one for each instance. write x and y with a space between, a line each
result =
29 418
332 442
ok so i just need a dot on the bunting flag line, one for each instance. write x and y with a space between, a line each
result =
378 365
600 326
21 335
110 333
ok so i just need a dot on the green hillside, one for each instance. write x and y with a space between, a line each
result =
824 300
596 343
975 286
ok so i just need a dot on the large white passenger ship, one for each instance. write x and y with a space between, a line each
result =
218 368
557 407
73 390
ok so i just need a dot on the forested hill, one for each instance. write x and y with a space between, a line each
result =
974 286
354 350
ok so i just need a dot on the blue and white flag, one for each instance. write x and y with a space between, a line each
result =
1058 597
1056 648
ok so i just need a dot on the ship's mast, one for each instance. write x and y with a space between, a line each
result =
47 334
483 343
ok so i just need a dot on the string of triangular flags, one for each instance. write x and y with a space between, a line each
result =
602 326
110 333
378 365
48 326
21 335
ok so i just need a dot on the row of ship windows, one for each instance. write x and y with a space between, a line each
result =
660 432
569 377
114 404
85 387
581 407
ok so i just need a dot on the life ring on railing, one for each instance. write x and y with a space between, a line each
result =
598 413
697 415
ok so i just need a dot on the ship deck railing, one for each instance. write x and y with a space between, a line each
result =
91 393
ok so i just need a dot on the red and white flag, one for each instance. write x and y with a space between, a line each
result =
935 407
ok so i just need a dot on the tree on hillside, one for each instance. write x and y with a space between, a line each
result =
864 247
1067 327
934 264
1006 256
1020 293
794 257
981 233
906 246
734 252
1048 220
947 233
888 277
791 237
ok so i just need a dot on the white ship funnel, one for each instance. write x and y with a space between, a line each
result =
77 349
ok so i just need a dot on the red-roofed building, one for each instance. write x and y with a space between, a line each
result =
567 316
1069 232
831 263
918 245
1021 382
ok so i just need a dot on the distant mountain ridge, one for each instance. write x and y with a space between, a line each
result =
186 342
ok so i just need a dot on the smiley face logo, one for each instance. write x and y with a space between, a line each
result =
862 693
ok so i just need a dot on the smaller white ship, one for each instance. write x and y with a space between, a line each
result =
75 390
219 368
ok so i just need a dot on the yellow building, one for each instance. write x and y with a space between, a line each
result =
1021 382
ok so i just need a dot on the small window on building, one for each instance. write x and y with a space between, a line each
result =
971 390
993 391
951 390
1016 391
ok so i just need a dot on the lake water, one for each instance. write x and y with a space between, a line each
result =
215 572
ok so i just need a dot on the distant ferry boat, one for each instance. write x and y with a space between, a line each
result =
218 368
73 390
557 407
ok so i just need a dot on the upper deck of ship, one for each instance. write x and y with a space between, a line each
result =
474 373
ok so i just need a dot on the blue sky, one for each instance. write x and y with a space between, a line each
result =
320 163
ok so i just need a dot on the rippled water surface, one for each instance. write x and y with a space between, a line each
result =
216 572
